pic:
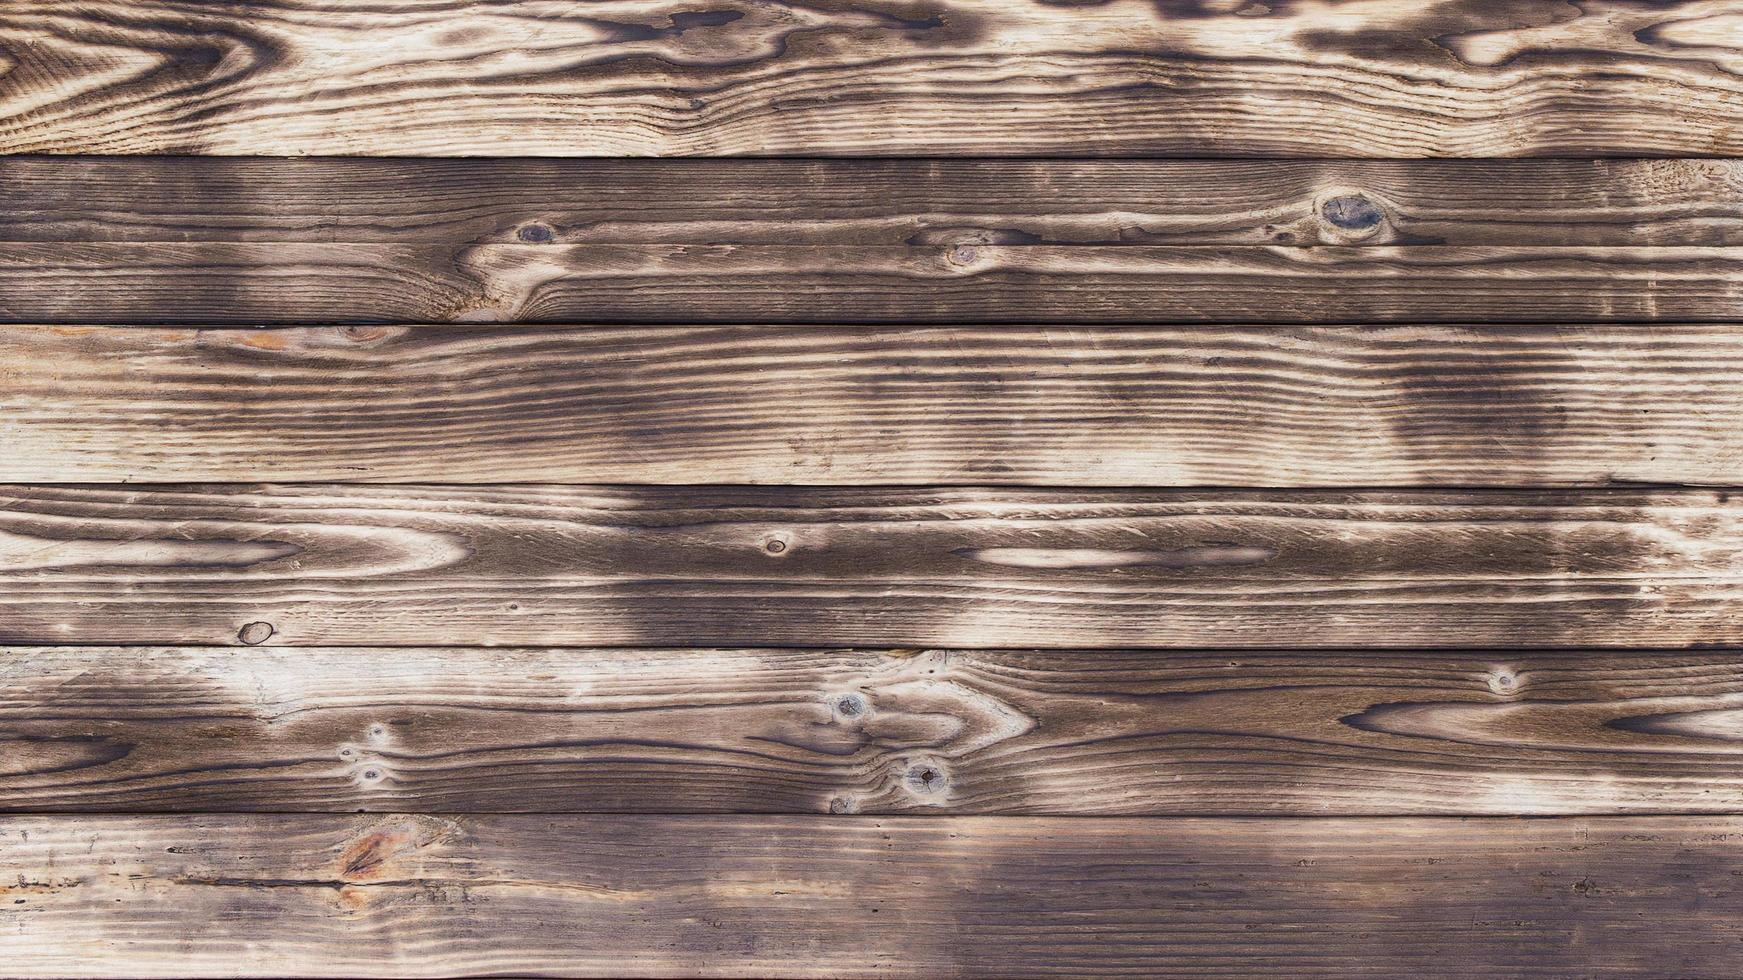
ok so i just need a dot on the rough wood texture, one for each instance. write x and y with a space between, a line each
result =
874 202
270 282
1059 405
786 495
818 896
962 567
1083 732
1372 78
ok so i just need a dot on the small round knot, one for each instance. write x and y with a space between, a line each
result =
964 254
850 705
1352 212
363 334
841 805
926 778
255 634
536 234
1504 682
774 546
372 774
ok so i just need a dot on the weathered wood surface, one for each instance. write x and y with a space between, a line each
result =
1368 78
955 567
1056 405
874 202
272 282
785 731
332 895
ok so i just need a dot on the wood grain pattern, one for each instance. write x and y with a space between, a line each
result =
960 567
1366 78
265 282
843 897
652 534
1056 405
874 202
815 731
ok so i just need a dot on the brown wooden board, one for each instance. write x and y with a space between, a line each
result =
1053 405
1095 732
274 282
1150 488
953 567
1370 78
873 202
661 896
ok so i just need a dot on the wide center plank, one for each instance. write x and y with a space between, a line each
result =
957 567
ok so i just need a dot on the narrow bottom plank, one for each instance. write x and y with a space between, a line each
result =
335 895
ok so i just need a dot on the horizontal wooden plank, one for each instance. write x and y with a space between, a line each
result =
820 731
958 567
270 282
873 202
1056 405
331 895
965 77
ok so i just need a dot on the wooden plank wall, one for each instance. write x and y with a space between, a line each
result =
871 488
